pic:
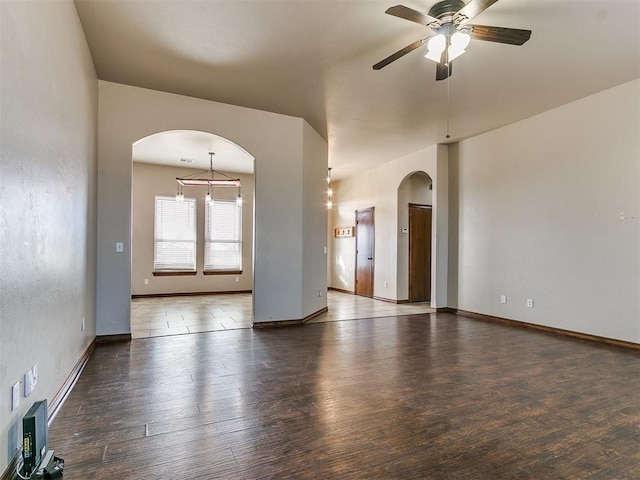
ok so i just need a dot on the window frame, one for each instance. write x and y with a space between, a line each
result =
237 238
192 217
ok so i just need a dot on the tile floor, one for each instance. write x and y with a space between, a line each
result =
161 316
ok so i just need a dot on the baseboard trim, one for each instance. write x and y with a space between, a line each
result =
350 292
544 328
120 337
54 406
289 323
187 294
277 324
58 400
308 318
445 310
389 300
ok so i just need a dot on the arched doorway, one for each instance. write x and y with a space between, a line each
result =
415 239
157 160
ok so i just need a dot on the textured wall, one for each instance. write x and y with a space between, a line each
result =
47 202
314 222
549 209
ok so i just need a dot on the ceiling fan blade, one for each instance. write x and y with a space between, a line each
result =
400 53
412 15
471 9
443 71
511 36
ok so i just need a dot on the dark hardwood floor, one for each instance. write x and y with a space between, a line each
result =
423 396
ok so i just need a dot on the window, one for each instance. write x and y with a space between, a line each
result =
175 234
223 237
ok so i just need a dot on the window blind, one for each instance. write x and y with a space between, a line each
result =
175 234
223 236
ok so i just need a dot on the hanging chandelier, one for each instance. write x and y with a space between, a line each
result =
207 178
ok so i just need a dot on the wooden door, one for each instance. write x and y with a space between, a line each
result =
419 253
364 252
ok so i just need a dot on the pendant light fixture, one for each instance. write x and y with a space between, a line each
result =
239 198
179 194
207 178
329 190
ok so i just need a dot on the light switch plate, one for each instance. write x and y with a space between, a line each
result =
119 247
29 383
15 396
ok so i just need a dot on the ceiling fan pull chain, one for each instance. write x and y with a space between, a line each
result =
448 103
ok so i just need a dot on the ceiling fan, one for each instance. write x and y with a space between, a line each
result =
451 32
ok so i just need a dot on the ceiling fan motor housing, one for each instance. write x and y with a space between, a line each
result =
445 10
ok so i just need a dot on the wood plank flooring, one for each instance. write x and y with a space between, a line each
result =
433 396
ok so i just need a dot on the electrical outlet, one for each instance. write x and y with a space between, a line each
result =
146 281
237 279
530 302
15 396
503 299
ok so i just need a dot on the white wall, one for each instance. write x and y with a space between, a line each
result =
548 209
48 98
378 187
314 222
127 114
151 180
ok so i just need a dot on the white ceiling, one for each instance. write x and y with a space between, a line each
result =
313 59
189 148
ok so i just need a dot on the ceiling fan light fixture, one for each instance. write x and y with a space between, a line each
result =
435 47
459 42
448 19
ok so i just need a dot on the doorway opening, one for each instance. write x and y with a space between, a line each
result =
157 160
415 238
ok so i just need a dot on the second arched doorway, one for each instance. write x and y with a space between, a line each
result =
415 238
